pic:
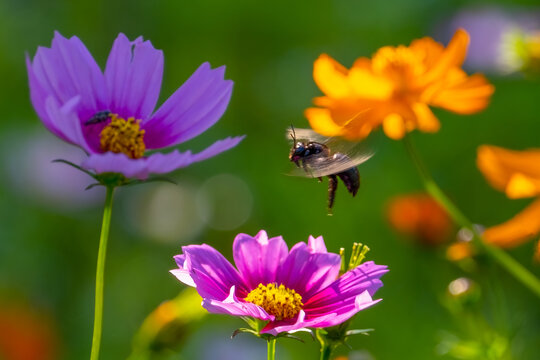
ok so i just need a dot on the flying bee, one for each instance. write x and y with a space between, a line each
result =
99 117
319 156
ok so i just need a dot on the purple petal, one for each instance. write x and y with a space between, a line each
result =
117 163
65 122
180 260
157 163
233 306
192 109
67 70
212 273
351 284
182 273
133 74
307 272
258 258
217 148
38 97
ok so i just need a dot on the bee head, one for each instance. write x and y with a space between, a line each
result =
298 151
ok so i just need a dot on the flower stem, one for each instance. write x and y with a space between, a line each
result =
100 271
271 348
326 350
499 255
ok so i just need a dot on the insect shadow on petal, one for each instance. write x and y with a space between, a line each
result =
317 156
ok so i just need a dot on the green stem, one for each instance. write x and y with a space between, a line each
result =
271 348
505 260
326 350
100 271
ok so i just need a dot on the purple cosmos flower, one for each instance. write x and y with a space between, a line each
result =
110 114
291 290
488 25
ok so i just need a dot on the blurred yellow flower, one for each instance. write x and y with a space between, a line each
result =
517 173
395 89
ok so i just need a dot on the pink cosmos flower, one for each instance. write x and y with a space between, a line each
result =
294 289
110 114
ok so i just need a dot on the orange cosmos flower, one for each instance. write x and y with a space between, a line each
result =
395 89
26 334
517 173
420 216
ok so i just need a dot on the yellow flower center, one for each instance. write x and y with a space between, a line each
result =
282 302
123 136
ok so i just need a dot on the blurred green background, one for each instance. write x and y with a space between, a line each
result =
49 226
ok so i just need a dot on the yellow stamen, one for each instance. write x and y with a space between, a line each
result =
123 136
282 302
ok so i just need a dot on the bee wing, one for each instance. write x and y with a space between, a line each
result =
318 166
336 144
344 154
305 135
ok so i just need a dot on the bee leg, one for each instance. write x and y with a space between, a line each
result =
320 179
332 187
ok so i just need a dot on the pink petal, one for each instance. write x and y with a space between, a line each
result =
258 258
233 306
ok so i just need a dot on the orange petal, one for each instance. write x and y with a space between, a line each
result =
460 93
331 77
369 86
452 56
394 126
425 119
321 122
520 186
362 63
360 125
501 166
429 49
517 230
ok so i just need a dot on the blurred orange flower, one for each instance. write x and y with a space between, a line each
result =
459 250
25 334
517 173
420 216
395 89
